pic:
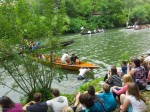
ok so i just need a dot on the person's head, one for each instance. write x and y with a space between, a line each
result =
86 100
124 63
66 52
106 88
141 58
148 64
67 109
113 70
73 54
127 79
37 97
133 90
137 62
55 92
132 61
91 90
6 103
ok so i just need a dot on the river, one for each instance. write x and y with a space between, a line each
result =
103 49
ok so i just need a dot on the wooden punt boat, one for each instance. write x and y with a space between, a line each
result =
65 43
78 65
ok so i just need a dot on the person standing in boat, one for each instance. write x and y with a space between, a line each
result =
73 59
64 58
83 70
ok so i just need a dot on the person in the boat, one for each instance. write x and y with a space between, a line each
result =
73 59
83 70
64 58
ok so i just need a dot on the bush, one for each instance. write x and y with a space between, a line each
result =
76 24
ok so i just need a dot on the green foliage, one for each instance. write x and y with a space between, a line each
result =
31 19
76 24
95 83
84 88
70 97
109 13
141 13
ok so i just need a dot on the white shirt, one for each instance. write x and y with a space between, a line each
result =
83 71
137 106
64 57
58 103
147 59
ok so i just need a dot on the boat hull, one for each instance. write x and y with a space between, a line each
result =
77 66
67 66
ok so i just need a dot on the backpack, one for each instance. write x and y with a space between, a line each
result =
97 99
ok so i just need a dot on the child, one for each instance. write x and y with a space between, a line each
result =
108 98
124 67
134 98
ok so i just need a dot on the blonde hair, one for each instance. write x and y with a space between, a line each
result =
67 109
106 88
127 79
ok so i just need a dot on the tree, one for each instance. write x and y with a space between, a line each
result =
42 18
141 14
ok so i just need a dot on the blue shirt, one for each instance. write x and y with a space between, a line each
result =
95 108
109 101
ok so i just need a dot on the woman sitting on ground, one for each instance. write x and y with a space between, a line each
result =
113 78
9 106
138 74
122 90
133 101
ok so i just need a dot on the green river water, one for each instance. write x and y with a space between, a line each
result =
105 49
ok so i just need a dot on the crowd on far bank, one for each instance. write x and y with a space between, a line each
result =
120 92
85 30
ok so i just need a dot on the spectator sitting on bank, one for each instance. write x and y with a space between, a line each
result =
133 101
108 98
67 109
58 102
97 100
117 91
147 58
9 106
112 78
36 105
87 102
138 74
82 70
124 67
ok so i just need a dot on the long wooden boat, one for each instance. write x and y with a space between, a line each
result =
75 67
65 43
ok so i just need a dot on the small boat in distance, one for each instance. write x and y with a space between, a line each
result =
65 43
